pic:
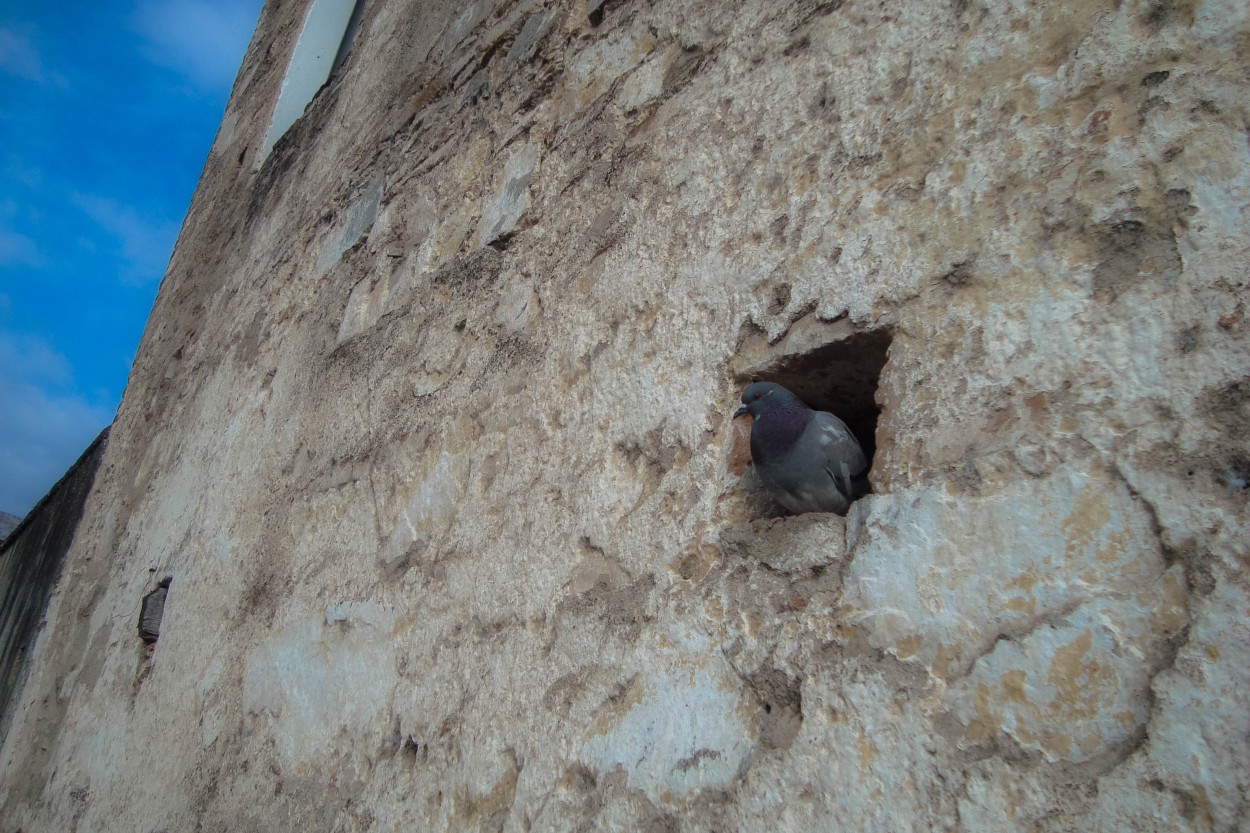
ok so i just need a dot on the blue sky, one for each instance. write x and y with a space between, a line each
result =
107 111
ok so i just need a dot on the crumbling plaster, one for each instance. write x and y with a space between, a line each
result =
431 425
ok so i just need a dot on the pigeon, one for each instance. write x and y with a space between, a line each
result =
808 460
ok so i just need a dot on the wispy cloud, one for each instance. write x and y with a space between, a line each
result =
203 40
19 250
18 56
16 249
144 244
29 358
44 425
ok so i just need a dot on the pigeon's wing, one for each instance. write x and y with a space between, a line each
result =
844 459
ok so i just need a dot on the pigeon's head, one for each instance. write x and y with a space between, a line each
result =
761 397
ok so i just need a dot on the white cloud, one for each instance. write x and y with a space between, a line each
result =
203 40
31 358
44 424
145 244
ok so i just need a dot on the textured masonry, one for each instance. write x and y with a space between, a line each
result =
431 422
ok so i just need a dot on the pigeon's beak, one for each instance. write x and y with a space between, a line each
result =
743 411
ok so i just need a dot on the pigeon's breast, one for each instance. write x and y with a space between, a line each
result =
799 477
774 435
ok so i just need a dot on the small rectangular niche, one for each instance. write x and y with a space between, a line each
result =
832 366
322 48
841 377
152 611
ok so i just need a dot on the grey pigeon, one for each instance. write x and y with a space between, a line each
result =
808 460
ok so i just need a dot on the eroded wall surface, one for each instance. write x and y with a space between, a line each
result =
431 429
30 565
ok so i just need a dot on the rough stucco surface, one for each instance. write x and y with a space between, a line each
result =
30 567
431 428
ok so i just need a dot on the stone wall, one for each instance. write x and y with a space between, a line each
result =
430 429
30 566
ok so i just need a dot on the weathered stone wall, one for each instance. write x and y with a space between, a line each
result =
431 429
30 565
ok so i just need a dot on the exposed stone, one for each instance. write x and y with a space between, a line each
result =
359 219
500 216
534 30
432 423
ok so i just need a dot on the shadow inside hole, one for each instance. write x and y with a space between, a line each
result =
152 611
595 11
840 377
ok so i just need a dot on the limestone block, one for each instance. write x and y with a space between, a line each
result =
501 215
355 224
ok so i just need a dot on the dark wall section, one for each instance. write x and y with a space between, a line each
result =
30 563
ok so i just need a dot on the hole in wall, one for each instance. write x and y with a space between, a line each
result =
594 11
323 45
597 9
348 37
152 611
839 376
